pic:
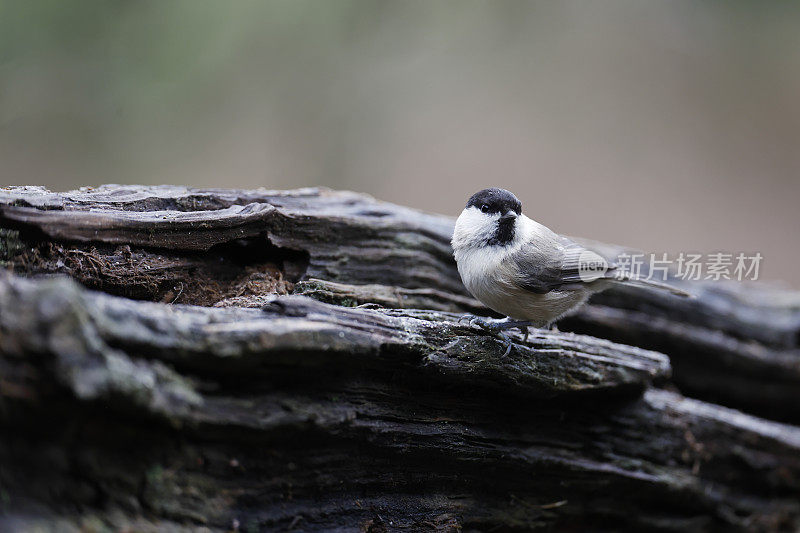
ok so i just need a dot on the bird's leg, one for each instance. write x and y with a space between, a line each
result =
499 326
490 325
474 320
469 317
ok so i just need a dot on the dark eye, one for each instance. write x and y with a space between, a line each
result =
485 208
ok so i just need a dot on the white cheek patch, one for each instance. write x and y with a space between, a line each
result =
474 228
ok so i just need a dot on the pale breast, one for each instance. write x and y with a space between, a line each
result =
490 281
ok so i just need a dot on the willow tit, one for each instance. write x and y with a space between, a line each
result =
522 269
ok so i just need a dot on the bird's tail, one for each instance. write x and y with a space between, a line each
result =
650 284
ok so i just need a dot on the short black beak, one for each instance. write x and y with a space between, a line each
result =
510 215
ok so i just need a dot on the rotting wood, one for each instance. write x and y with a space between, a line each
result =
371 408
308 415
237 247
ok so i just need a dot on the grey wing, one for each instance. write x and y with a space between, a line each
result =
558 264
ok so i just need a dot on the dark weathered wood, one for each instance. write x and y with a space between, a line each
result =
235 247
312 416
265 340
708 364
352 236
752 311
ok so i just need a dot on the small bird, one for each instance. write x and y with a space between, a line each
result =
525 271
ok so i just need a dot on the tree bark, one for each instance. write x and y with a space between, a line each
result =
321 380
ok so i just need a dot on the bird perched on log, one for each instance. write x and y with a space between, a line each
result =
524 270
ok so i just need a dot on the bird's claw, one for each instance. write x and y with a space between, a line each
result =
495 327
507 341
484 323
474 320
491 324
466 316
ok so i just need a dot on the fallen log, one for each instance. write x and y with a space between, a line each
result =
733 344
311 416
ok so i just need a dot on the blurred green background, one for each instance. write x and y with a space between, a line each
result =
668 126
